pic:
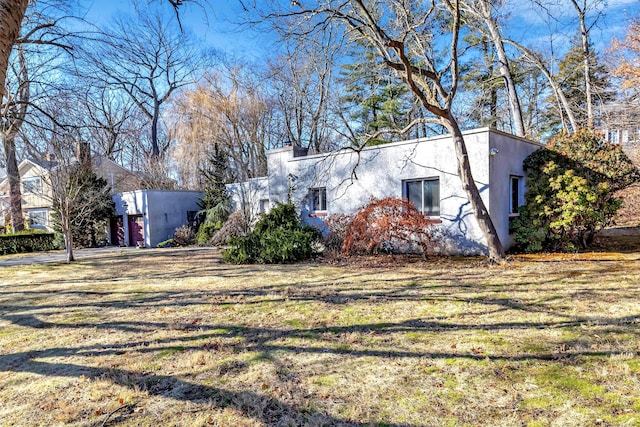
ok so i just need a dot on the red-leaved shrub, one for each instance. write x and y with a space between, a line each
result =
386 225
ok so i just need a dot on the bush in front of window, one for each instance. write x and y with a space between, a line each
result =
571 192
26 241
277 238
388 225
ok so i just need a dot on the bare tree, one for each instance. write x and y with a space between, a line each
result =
303 79
483 10
77 194
42 37
12 117
536 59
230 110
583 7
420 42
148 59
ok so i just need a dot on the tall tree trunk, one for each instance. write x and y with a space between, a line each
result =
13 175
65 222
11 15
584 33
496 250
505 70
155 148
587 73
557 89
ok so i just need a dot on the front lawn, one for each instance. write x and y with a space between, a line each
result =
170 337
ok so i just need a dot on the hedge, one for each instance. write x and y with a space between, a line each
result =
26 242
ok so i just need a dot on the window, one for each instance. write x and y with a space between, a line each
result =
32 185
318 199
192 218
516 184
263 206
424 194
38 218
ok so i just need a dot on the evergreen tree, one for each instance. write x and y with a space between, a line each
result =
215 203
376 100
570 74
216 176
88 205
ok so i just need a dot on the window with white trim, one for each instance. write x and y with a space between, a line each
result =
424 194
318 199
32 185
516 192
38 218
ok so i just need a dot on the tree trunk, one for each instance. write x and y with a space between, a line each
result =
65 222
155 148
584 33
11 14
587 73
557 89
13 176
480 211
505 70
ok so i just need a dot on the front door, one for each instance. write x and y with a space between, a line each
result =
136 230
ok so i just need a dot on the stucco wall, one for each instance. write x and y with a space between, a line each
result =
163 211
507 162
351 179
168 211
247 196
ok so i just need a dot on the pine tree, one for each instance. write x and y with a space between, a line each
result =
376 100
570 74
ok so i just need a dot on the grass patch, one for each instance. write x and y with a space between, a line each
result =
544 340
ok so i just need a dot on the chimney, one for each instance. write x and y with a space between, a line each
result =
83 153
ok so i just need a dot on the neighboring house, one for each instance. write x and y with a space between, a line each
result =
145 218
36 194
620 124
423 171
36 191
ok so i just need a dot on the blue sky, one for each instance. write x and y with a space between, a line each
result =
214 23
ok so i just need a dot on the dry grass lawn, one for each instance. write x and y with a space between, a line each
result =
167 337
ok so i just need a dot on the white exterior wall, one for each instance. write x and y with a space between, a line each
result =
507 162
163 211
246 196
351 180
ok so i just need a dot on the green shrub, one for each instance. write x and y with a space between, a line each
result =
215 218
571 192
277 238
26 241
169 243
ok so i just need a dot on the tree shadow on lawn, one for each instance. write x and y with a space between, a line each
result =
342 290
267 409
271 342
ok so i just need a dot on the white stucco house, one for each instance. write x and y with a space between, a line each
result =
145 218
423 171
